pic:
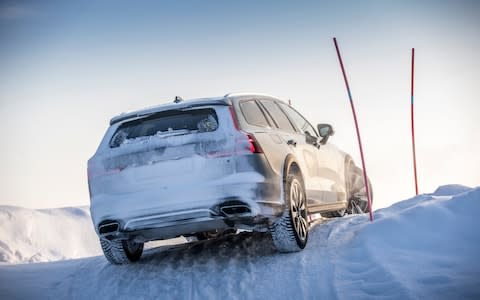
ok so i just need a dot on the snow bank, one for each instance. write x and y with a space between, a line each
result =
28 235
424 247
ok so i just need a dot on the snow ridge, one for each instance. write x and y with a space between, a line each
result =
28 235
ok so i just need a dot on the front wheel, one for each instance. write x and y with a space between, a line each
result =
356 191
290 231
119 252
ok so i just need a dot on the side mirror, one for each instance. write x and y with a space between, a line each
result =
325 131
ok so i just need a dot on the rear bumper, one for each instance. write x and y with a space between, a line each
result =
244 201
156 227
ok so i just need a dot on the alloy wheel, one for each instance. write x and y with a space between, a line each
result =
298 209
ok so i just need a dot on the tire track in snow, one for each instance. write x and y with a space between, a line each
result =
419 248
236 267
334 265
222 268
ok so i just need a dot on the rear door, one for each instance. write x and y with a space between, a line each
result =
261 125
304 152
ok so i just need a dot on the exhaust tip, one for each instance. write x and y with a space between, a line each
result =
233 208
108 227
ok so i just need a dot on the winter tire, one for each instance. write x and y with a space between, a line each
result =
119 252
290 231
355 187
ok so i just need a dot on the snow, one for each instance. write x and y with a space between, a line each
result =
423 247
28 235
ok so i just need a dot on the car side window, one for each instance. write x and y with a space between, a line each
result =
252 113
299 120
278 115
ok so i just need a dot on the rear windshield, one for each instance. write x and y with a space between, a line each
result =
165 124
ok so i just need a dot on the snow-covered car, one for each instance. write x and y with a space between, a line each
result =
207 166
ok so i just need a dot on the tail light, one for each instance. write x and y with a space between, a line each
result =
254 146
245 141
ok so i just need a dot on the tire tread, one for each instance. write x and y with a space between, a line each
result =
282 231
115 252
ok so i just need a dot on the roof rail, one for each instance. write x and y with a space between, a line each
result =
249 94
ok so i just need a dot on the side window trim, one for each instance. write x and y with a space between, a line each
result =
282 111
305 119
290 120
261 110
267 115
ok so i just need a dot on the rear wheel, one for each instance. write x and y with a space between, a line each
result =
290 231
120 252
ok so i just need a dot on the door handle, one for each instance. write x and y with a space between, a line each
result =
292 142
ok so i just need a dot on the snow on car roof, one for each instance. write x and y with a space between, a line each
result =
169 105
225 100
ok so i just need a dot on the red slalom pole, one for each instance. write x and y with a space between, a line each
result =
413 125
357 129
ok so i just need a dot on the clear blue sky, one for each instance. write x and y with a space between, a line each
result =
66 68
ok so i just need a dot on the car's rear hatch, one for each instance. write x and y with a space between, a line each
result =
172 164
165 147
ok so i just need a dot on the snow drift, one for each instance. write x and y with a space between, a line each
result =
28 235
424 247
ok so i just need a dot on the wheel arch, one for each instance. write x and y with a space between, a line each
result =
291 165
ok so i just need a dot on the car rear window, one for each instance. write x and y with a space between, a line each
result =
166 123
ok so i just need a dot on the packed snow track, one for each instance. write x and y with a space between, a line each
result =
424 247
